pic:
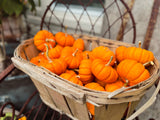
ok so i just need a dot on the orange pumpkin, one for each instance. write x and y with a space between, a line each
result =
104 72
42 38
79 43
93 86
71 78
114 86
38 59
132 71
57 66
88 54
64 39
55 52
72 57
104 53
70 72
85 72
134 53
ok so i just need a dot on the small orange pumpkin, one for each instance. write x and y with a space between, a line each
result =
38 59
55 52
72 78
104 53
104 72
114 86
79 43
64 39
42 38
57 66
134 53
85 72
132 71
72 57
93 86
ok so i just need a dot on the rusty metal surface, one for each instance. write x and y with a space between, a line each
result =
151 24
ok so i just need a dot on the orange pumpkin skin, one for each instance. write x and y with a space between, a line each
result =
103 72
38 59
132 71
55 52
79 43
134 53
85 72
93 86
114 86
100 82
42 38
64 39
88 54
57 66
72 57
70 72
103 53
71 78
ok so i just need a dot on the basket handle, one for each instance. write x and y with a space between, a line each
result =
147 104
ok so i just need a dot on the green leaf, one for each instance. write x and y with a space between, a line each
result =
12 7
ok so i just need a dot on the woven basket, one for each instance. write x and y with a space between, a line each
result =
69 98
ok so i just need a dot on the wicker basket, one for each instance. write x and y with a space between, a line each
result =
70 99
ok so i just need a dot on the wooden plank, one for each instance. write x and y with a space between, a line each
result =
44 93
78 110
110 112
59 100
131 107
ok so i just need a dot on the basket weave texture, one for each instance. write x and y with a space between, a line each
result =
69 98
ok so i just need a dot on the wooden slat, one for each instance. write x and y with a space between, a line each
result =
59 100
78 110
110 112
132 107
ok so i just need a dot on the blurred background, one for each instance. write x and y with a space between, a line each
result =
21 20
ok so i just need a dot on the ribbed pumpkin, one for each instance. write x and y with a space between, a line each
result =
71 78
70 72
114 86
87 53
104 72
93 86
64 39
57 66
134 53
72 57
38 59
42 38
103 53
79 43
55 52
85 72
132 71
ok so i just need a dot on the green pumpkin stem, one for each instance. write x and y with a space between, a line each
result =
47 49
126 83
74 53
148 63
109 61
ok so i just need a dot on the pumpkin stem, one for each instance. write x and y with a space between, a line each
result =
47 49
77 70
148 63
126 83
109 61
74 53
87 56
77 76
139 44
49 40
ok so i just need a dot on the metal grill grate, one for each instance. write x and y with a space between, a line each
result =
102 21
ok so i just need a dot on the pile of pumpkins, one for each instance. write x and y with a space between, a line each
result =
100 69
